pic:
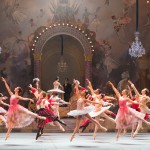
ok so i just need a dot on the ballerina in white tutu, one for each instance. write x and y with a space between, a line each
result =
17 115
143 99
81 109
2 110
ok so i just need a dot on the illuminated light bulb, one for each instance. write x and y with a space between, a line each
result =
37 37
39 33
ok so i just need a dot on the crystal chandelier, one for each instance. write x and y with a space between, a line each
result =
137 49
62 65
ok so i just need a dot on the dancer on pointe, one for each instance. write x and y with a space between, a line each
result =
101 111
143 99
17 115
126 116
81 110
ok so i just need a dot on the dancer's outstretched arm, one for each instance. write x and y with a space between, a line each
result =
25 99
5 104
7 87
115 90
130 93
134 88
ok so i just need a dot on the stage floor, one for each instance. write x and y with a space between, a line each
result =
60 141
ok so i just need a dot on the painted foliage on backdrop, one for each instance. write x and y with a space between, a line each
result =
111 21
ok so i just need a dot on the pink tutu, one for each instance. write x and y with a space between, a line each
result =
97 113
18 117
127 116
86 110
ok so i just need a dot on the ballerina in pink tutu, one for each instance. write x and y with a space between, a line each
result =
17 115
126 116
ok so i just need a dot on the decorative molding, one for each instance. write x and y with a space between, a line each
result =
67 30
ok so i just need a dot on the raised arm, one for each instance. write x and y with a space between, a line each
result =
7 86
76 88
130 93
90 86
115 90
134 88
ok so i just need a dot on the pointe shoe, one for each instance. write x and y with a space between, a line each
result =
80 131
62 129
37 136
134 134
94 136
72 137
6 137
105 129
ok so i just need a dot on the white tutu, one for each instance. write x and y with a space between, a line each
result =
86 110
95 114
55 90
2 110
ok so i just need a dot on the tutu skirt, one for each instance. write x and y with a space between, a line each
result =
18 117
2 111
127 116
2 115
97 113
86 110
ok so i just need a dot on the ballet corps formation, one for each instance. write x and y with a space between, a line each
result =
91 106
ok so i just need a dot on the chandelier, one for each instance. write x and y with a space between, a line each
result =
137 49
62 65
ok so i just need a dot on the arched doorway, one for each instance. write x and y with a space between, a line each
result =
73 55
46 33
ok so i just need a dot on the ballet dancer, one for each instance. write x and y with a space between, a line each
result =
17 115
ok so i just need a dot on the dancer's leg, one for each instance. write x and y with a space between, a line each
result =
59 125
138 128
96 128
35 115
8 133
95 122
38 133
133 129
118 134
107 117
78 121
